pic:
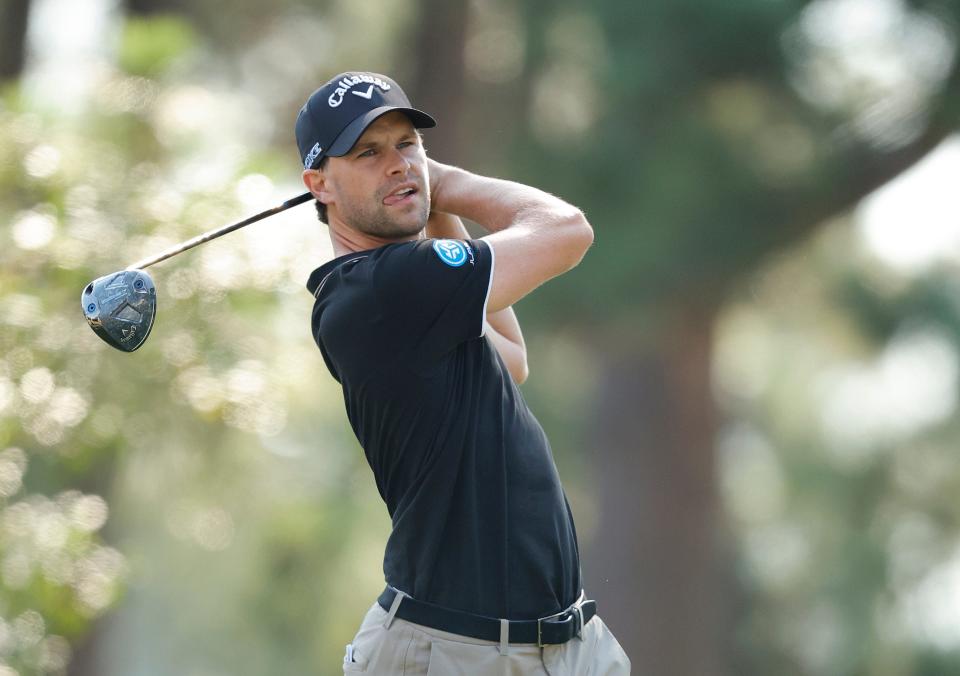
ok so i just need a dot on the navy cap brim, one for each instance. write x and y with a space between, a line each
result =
353 131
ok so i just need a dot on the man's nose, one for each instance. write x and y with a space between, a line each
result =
398 162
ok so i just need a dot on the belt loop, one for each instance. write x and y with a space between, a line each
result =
393 608
579 611
578 607
504 637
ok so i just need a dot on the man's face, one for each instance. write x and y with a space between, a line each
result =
381 187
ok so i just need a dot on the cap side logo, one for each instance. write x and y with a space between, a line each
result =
451 252
346 83
311 156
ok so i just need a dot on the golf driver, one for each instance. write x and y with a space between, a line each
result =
120 307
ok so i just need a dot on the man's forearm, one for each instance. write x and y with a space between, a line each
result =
503 330
492 203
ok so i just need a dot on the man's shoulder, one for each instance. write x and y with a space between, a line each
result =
403 258
319 278
388 256
430 260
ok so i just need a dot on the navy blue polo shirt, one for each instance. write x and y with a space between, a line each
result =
480 520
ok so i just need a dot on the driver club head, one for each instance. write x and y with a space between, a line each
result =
120 308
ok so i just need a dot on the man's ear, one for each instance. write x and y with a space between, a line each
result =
316 182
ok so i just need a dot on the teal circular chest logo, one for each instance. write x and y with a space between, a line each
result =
451 252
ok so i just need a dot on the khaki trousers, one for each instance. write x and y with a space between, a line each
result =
389 646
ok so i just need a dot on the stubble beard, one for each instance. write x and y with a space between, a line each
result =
377 221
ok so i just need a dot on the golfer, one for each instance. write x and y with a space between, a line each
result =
414 320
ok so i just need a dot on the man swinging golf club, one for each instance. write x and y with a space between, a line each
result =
414 320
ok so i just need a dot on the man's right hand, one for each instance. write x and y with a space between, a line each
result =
436 171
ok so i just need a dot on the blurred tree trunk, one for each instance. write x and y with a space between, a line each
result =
85 660
13 33
653 563
439 77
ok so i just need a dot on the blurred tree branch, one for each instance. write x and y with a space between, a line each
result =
860 171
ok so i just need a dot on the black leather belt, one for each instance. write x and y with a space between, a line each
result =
551 630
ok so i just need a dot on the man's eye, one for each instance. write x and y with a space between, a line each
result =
404 144
367 153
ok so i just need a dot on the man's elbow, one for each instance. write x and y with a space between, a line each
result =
586 234
579 237
517 365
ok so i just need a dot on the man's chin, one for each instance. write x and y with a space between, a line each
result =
404 235
396 231
402 228
389 226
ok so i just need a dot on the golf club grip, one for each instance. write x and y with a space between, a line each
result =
213 234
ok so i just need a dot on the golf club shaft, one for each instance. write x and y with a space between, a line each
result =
213 234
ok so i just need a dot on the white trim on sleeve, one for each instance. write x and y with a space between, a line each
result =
483 317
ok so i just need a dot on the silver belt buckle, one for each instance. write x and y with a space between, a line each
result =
540 643
575 609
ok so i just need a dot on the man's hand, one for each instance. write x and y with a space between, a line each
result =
445 226
503 330
436 171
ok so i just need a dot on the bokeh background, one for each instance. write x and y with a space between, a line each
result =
750 384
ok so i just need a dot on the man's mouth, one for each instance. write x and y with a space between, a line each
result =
402 194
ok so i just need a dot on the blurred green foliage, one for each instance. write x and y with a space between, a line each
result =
230 497
840 498
148 47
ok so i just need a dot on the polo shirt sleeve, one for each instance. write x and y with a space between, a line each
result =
433 293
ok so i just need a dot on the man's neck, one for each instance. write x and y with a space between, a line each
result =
346 240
